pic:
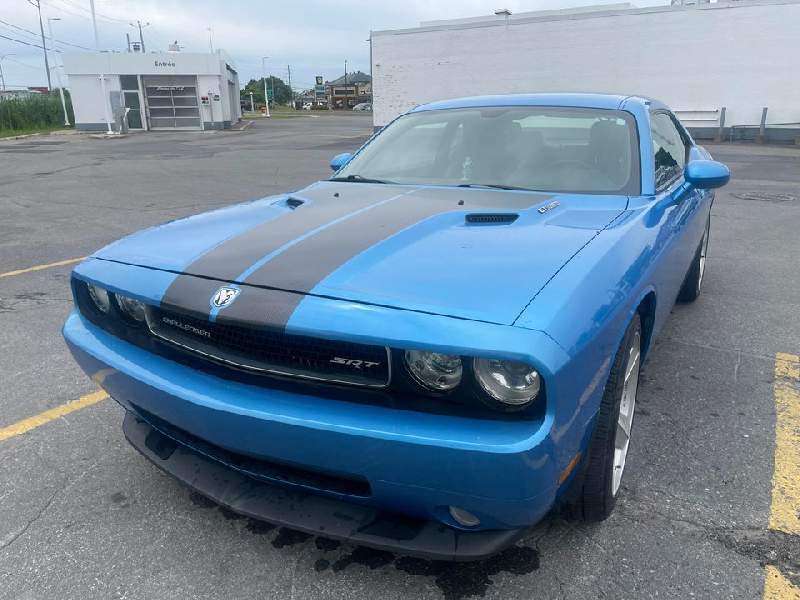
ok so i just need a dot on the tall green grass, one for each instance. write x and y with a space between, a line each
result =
36 112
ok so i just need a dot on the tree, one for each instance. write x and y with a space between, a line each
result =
283 94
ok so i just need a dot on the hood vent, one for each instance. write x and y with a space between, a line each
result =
495 218
293 202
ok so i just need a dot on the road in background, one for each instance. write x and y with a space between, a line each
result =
82 515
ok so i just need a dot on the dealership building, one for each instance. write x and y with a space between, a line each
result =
719 65
158 91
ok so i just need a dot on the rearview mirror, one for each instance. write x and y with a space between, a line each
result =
706 174
340 160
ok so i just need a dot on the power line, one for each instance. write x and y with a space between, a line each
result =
86 10
25 36
158 38
35 34
19 62
26 43
107 20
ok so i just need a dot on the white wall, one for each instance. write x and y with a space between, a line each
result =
87 98
742 55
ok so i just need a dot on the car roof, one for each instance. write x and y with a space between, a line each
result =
606 101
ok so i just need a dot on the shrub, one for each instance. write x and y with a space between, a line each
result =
38 111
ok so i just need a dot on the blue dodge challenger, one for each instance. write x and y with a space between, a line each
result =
427 352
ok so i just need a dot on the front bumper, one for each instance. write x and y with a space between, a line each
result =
310 512
416 464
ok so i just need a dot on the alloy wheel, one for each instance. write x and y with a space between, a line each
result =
627 406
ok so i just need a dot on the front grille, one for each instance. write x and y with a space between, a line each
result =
274 352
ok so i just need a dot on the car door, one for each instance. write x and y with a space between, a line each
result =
684 210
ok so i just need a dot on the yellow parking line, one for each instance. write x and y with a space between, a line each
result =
50 415
786 479
40 267
777 587
784 514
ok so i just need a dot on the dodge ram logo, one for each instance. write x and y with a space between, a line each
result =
224 296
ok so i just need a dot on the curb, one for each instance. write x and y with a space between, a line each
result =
26 136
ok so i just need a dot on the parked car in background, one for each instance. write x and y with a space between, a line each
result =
363 106
427 352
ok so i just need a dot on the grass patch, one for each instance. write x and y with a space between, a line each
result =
5 133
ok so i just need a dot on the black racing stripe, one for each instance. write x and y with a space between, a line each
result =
229 260
301 267
261 308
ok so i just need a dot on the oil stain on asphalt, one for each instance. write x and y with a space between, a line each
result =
457 581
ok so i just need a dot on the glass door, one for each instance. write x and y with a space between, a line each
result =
172 102
130 96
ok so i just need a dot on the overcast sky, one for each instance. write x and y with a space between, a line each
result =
315 37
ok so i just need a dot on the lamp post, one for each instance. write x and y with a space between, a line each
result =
344 104
55 66
2 79
266 97
102 75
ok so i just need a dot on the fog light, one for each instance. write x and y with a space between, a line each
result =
464 517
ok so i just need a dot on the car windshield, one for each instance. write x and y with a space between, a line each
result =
522 147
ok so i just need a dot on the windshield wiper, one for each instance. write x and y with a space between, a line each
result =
359 179
496 186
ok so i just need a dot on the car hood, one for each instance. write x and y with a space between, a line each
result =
463 252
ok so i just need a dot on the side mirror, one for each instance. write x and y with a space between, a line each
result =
706 174
340 160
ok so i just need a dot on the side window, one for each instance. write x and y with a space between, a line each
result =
669 149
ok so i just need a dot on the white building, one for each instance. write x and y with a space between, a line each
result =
163 90
697 58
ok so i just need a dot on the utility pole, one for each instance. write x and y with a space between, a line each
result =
55 66
266 97
141 37
291 90
38 6
102 75
2 79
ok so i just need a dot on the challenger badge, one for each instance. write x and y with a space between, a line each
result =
224 296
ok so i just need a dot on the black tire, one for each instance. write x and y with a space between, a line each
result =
592 496
690 289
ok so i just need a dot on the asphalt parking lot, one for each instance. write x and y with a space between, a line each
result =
82 515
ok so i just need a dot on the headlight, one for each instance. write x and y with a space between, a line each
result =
133 309
99 297
513 384
434 371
